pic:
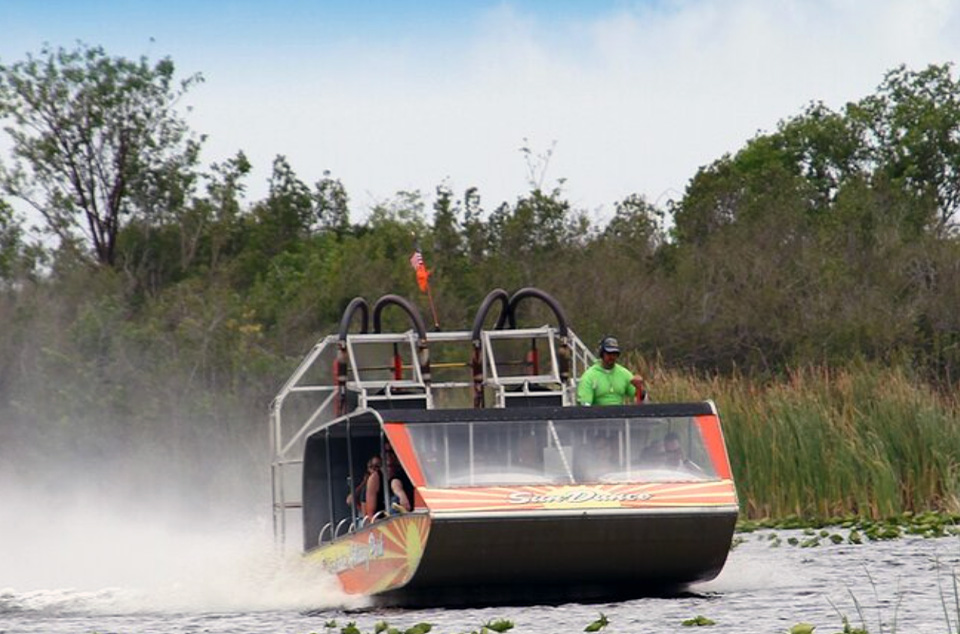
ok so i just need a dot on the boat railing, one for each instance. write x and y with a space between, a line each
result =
327 528
344 522
356 371
365 391
551 384
352 526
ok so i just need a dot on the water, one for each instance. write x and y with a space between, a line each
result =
95 572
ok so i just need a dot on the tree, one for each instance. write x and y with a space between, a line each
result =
332 204
755 186
96 140
221 209
903 141
289 212
824 147
476 234
280 224
447 236
204 234
913 122
15 256
635 227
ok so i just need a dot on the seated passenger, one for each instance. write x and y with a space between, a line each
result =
673 455
359 494
399 485
653 454
599 458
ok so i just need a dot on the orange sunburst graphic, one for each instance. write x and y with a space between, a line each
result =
379 557
586 496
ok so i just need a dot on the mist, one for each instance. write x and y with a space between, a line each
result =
86 550
136 487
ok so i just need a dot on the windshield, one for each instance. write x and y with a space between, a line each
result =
491 453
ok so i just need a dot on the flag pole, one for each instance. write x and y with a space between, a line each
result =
433 309
423 280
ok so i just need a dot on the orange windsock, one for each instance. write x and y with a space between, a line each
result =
423 275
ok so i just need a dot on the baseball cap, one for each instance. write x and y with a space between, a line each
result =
610 344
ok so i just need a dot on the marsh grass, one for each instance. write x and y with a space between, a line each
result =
949 599
864 441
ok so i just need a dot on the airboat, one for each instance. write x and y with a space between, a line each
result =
518 494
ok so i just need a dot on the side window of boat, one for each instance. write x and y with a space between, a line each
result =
669 445
698 454
443 450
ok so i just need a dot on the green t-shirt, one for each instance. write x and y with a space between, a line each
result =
599 386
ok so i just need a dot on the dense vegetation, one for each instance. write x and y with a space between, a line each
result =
821 443
809 282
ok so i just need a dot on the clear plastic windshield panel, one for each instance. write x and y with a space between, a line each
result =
484 453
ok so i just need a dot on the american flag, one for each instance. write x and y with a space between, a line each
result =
416 260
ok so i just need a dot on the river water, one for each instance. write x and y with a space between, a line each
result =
98 574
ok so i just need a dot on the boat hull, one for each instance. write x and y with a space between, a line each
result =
419 560
583 556
380 557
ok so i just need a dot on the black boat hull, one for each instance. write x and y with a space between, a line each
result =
583 557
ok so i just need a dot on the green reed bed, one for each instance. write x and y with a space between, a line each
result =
865 441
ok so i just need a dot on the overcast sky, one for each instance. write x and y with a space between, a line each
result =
388 95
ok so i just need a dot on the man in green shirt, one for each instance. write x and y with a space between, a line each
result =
607 382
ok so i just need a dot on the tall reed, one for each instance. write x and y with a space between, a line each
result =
821 443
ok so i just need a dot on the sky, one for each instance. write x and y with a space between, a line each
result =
624 97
